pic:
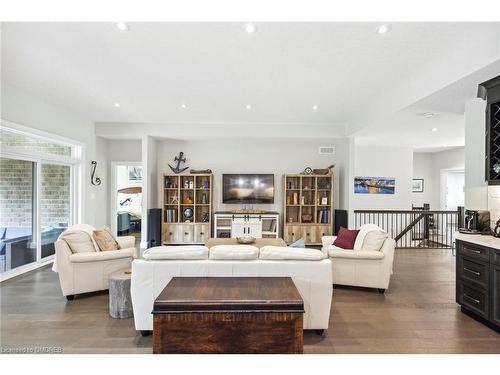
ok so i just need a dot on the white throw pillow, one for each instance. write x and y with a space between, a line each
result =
234 252
374 240
287 253
79 241
188 252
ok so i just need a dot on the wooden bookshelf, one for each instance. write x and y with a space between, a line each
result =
187 208
308 207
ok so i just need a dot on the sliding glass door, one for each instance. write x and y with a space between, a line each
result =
17 213
39 179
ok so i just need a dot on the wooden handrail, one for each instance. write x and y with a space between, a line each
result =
404 212
409 227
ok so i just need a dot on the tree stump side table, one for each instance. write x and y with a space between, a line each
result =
120 300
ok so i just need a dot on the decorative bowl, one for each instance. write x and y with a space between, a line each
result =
245 239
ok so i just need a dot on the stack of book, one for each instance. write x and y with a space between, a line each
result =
323 216
171 215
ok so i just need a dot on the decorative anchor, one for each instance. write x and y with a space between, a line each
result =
179 159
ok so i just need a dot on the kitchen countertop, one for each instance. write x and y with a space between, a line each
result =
479 239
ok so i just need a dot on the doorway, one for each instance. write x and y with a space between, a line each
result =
454 189
126 199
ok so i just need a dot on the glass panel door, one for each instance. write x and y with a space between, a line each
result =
17 208
55 204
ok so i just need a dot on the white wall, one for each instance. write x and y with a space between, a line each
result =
380 161
432 167
423 168
26 109
239 155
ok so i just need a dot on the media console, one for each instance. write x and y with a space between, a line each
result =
229 224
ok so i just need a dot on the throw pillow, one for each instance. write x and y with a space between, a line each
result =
105 239
78 241
299 243
346 238
374 240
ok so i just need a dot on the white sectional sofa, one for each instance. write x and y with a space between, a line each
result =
313 279
359 267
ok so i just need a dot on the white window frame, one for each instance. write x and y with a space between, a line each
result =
75 162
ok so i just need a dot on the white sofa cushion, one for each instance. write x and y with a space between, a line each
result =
188 252
335 252
288 253
234 252
374 240
99 256
363 231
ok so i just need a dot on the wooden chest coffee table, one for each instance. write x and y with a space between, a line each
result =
228 315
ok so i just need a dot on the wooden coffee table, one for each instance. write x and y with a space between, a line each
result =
228 315
259 242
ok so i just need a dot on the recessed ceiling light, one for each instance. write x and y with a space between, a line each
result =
117 105
183 106
315 107
434 129
445 145
122 26
250 28
383 29
249 107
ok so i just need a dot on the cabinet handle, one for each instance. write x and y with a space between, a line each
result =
170 233
201 233
244 230
322 234
472 299
293 234
474 251
308 234
186 233
472 271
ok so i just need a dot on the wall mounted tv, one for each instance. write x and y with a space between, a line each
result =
248 188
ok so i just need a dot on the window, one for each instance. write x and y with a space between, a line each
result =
17 192
38 190
23 142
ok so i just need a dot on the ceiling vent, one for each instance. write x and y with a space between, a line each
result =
327 150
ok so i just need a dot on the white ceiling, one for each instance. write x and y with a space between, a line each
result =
409 128
351 73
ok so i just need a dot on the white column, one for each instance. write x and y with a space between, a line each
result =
476 188
149 185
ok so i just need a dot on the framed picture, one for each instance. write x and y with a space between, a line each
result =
374 185
417 185
134 174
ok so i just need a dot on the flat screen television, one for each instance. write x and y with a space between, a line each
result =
248 188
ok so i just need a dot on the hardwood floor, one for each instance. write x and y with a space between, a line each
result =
418 314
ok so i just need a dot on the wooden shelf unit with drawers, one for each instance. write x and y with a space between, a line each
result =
308 207
181 192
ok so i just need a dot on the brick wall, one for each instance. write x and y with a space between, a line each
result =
16 193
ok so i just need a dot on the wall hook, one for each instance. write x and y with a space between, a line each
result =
96 181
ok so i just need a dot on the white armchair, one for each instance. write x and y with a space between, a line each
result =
372 269
89 271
